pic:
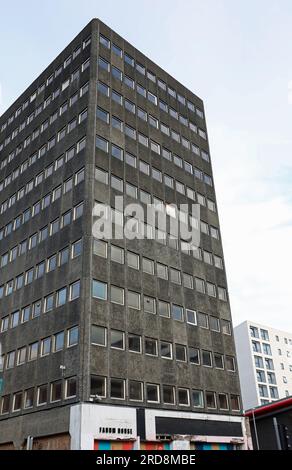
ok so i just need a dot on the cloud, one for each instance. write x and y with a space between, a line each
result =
253 185
1 100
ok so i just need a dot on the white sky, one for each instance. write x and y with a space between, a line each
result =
237 56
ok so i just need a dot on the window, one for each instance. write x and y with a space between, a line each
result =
33 351
61 297
168 394
259 362
202 320
21 356
267 349
103 89
74 291
222 293
198 399
151 347
148 266
143 139
141 90
210 399
42 395
117 295
99 290
76 249
56 391
17 401
117 73
25 314
274 392
144 167
162 271
10 360
175 276
57 193
117 340
218 361
59 341
102 115
102 144
163 309
200 285
117 152
133 300
52 263
256 346
117 123
191 317
36 309
134 343
269 363
180 353
97 386
29 398
235 403
104 41
206 358
131 160
73 336
168 181
129 106
263 391
152 393
214 323
54 228
226 327
166 350
149 304
261 376
223 401
64 256
68 184
117 50
4 324
183 397
177 312
152 98
98 335
140 68
131 190
71 387
5 406
46 346
130 132
14 319
19 281
188 281
117 389
103 64
117 97
100 248
230 363
135 390
81 145
142 114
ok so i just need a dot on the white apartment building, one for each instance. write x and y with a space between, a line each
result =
264 357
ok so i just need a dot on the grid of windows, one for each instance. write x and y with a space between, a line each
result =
116 388
119 255
43 104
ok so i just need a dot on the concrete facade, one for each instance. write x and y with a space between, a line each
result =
56 306
270 378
